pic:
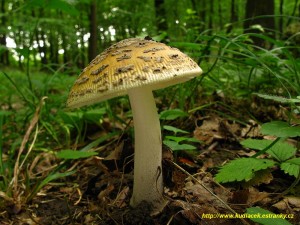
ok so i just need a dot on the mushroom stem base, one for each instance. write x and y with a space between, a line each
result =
148 182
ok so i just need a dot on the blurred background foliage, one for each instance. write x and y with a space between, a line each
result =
50 33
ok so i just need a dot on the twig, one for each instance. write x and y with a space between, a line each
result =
207 189
17 168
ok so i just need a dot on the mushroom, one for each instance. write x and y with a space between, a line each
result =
136 67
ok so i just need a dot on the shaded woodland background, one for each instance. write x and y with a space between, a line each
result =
52 33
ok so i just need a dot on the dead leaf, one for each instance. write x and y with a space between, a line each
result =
189 211
88 219
103 195
208 131
256 196
260 177
197 190
116 153
121 197
294 201
239 197
252 129
281 205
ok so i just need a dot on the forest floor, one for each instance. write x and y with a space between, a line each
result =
99 191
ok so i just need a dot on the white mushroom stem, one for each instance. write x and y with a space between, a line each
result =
148 183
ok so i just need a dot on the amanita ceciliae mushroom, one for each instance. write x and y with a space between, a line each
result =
136 67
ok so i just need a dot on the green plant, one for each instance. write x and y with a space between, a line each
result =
281 154
23 125
175 142
17 187
266 217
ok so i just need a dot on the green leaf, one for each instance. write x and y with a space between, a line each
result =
174 146
174 129
94 115
23 51
48 179
62 5
242 169
172 114
266 217
278 98
280 151
179 139
71 154
291 167
176 139
71 117
280 129
98 141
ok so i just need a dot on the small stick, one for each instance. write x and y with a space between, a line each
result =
17 168
207 189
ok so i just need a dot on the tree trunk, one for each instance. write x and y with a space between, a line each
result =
202 12
40 37
93 50
211 14
64 45
41 41
160 13
233 16
221 19
257 12
294 12
53 49
4 59
281 17
200 8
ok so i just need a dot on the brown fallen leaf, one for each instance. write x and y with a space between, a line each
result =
208 131
121 197
260 177
239 197
288 204
294 201
256 196
103 195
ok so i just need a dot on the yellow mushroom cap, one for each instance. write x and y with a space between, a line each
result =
131 63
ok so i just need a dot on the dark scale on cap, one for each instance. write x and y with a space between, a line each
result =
159 59
173 56
140 77
155 49
82 80
125 56
102 78
99 70
145 58
157 70
124 69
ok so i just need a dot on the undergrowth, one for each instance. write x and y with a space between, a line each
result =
32 124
